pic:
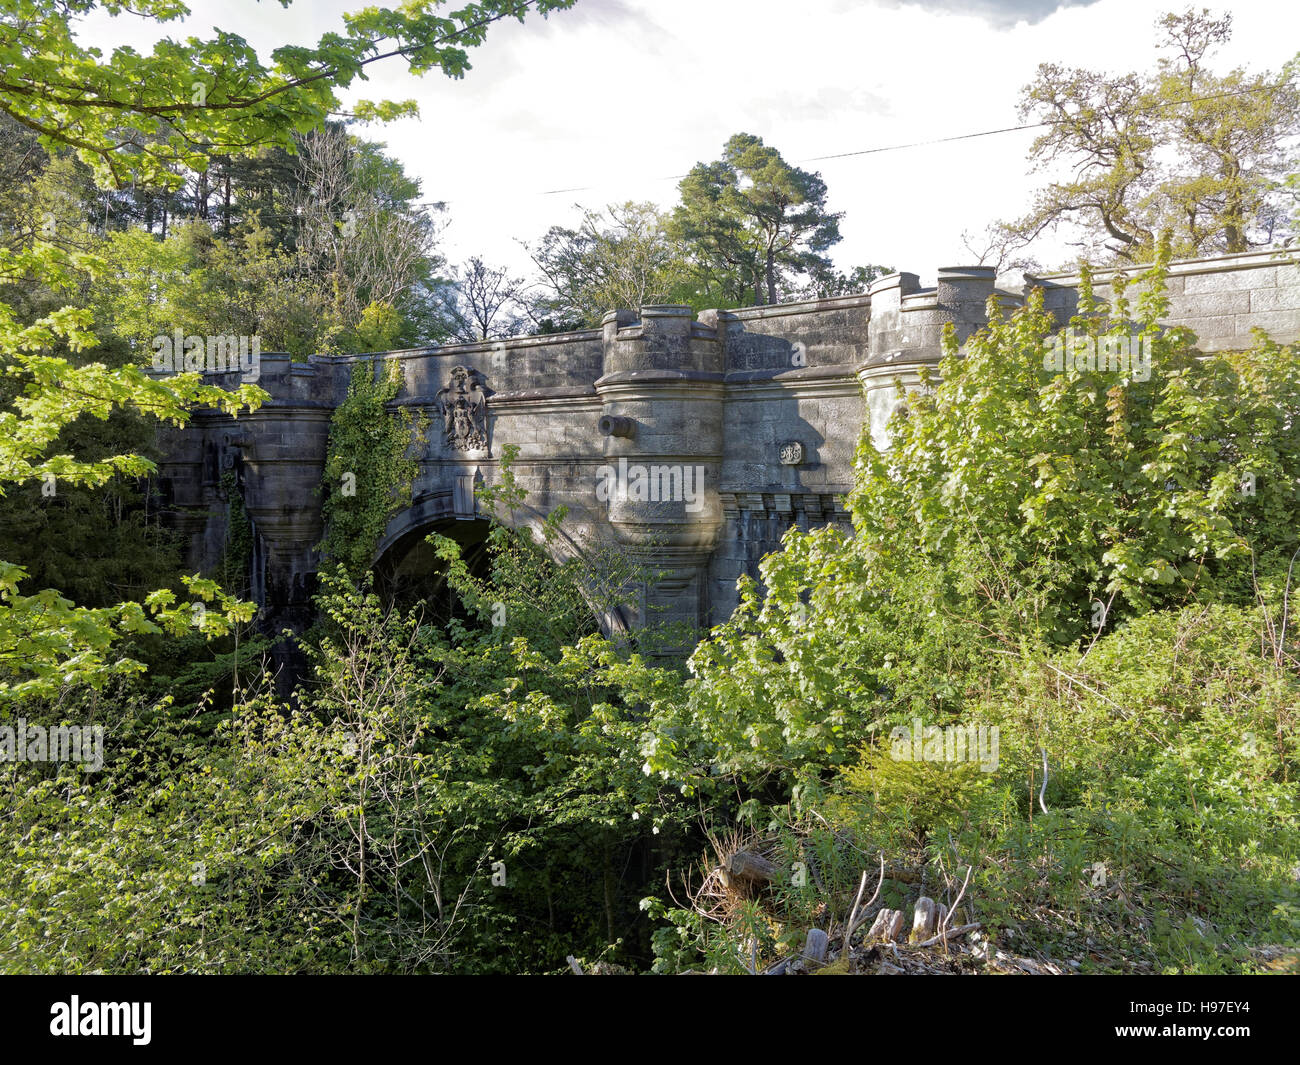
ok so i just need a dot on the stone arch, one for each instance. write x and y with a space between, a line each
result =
436 512
409 570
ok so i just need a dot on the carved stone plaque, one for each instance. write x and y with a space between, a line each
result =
463 406
791 453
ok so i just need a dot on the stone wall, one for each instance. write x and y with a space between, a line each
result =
766 403
1220 299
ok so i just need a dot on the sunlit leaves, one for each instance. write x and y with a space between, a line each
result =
150 116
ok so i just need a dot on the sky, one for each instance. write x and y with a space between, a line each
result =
614 100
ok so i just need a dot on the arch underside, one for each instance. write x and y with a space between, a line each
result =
404 560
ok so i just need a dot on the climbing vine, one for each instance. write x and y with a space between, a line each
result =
239 536
368 473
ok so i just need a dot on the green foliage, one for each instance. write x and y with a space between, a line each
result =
361 832
1013 501
45 640
363 243
187 99
824 282
1202 154
512 789
238 555
367 472
192 851
98 544
203 285
1174 764
1039 493
181 103
1167 838
379 328
623 257
919 793
750 221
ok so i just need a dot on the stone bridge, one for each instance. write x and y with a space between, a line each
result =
693 443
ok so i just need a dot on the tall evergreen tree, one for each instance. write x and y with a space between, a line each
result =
753 223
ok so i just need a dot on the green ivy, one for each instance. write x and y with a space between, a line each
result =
239 535
368 473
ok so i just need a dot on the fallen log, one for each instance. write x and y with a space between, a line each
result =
951 933
749 868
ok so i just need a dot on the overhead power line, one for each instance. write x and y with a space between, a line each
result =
941 140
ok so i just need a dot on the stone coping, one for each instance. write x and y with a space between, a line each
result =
1216 264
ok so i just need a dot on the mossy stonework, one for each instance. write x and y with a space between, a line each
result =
734 425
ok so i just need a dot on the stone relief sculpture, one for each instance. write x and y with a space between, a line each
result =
791 453
463 406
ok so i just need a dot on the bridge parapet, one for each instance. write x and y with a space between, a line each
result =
693 442
1222 299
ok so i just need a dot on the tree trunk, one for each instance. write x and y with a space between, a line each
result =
1234 230
749 869
609 894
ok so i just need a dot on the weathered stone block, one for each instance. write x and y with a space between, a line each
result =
1281 298
1212 328
1230 281
1209 304
1280 325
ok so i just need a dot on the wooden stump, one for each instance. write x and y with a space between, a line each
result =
814 948
887 926
923 920
747 869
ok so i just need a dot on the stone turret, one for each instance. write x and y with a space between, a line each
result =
661 418
907 324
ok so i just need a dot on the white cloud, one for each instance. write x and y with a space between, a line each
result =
998 12
616 96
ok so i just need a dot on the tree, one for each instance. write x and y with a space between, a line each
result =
824 282
352 257
1233 130
359 230
619 257
752 222
205 285
483 303
1199 154
147 116
144 118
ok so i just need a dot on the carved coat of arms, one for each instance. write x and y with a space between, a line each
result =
463 406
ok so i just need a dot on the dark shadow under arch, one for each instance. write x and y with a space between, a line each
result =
409 573
404 540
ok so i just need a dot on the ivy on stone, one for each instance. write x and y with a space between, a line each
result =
368 472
